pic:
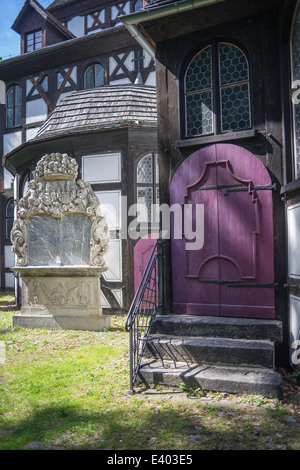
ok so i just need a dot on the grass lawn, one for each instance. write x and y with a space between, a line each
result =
69 390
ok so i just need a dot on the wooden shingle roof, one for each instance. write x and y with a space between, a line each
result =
107 107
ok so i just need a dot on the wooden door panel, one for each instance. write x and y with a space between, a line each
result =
238 235
142 252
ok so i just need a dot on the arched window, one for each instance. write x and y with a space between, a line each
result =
147 183
94 76
14 106
9 217
295 85
216 91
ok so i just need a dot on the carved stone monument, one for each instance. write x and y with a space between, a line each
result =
59 239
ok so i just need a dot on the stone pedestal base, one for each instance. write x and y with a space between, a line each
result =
61 298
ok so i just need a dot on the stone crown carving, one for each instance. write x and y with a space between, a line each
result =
55 192
56 166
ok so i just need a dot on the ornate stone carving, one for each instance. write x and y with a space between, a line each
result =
99 241
19 240
56 193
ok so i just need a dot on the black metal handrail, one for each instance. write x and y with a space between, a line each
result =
145 305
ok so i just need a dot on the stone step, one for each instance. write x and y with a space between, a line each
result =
212 378
225 327
217 351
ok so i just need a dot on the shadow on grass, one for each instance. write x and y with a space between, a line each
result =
69 428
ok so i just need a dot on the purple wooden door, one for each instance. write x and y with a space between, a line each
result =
142 252
231 274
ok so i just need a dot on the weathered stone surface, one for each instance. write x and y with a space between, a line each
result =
56 198
220 379
223 327
64 241
59 239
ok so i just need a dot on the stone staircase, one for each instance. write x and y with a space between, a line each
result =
233 355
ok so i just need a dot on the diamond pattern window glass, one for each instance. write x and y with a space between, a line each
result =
14 106
198 90
94 76
295 65
234 84
147 178
144 170
216 88
9 217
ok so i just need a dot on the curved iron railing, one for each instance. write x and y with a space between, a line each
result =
145 305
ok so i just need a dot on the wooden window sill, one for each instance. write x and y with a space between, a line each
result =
213 139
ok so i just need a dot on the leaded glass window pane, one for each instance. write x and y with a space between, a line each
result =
198 88
234 92
10 98
233 64
217 91
94 76
295 54
29 42
34 40
18 90
14 106
199 119
9 217
10 117
235 107
18 115
38 39
99 75
144 170
145 201
147 178
199 74
90 78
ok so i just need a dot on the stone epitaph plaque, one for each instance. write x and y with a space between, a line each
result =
59 239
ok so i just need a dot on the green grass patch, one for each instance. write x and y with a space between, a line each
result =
69 390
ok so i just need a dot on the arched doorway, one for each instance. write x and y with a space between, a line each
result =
232 274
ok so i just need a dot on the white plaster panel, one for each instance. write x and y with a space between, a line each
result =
111 207
113 261
118 294
104 301
8 179
122 81
31 133
293 217
9 257
11 141
36 111
76 26
9 280
104 168
151 80
74 75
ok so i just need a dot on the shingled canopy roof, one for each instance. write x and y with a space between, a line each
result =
89 112
102 108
